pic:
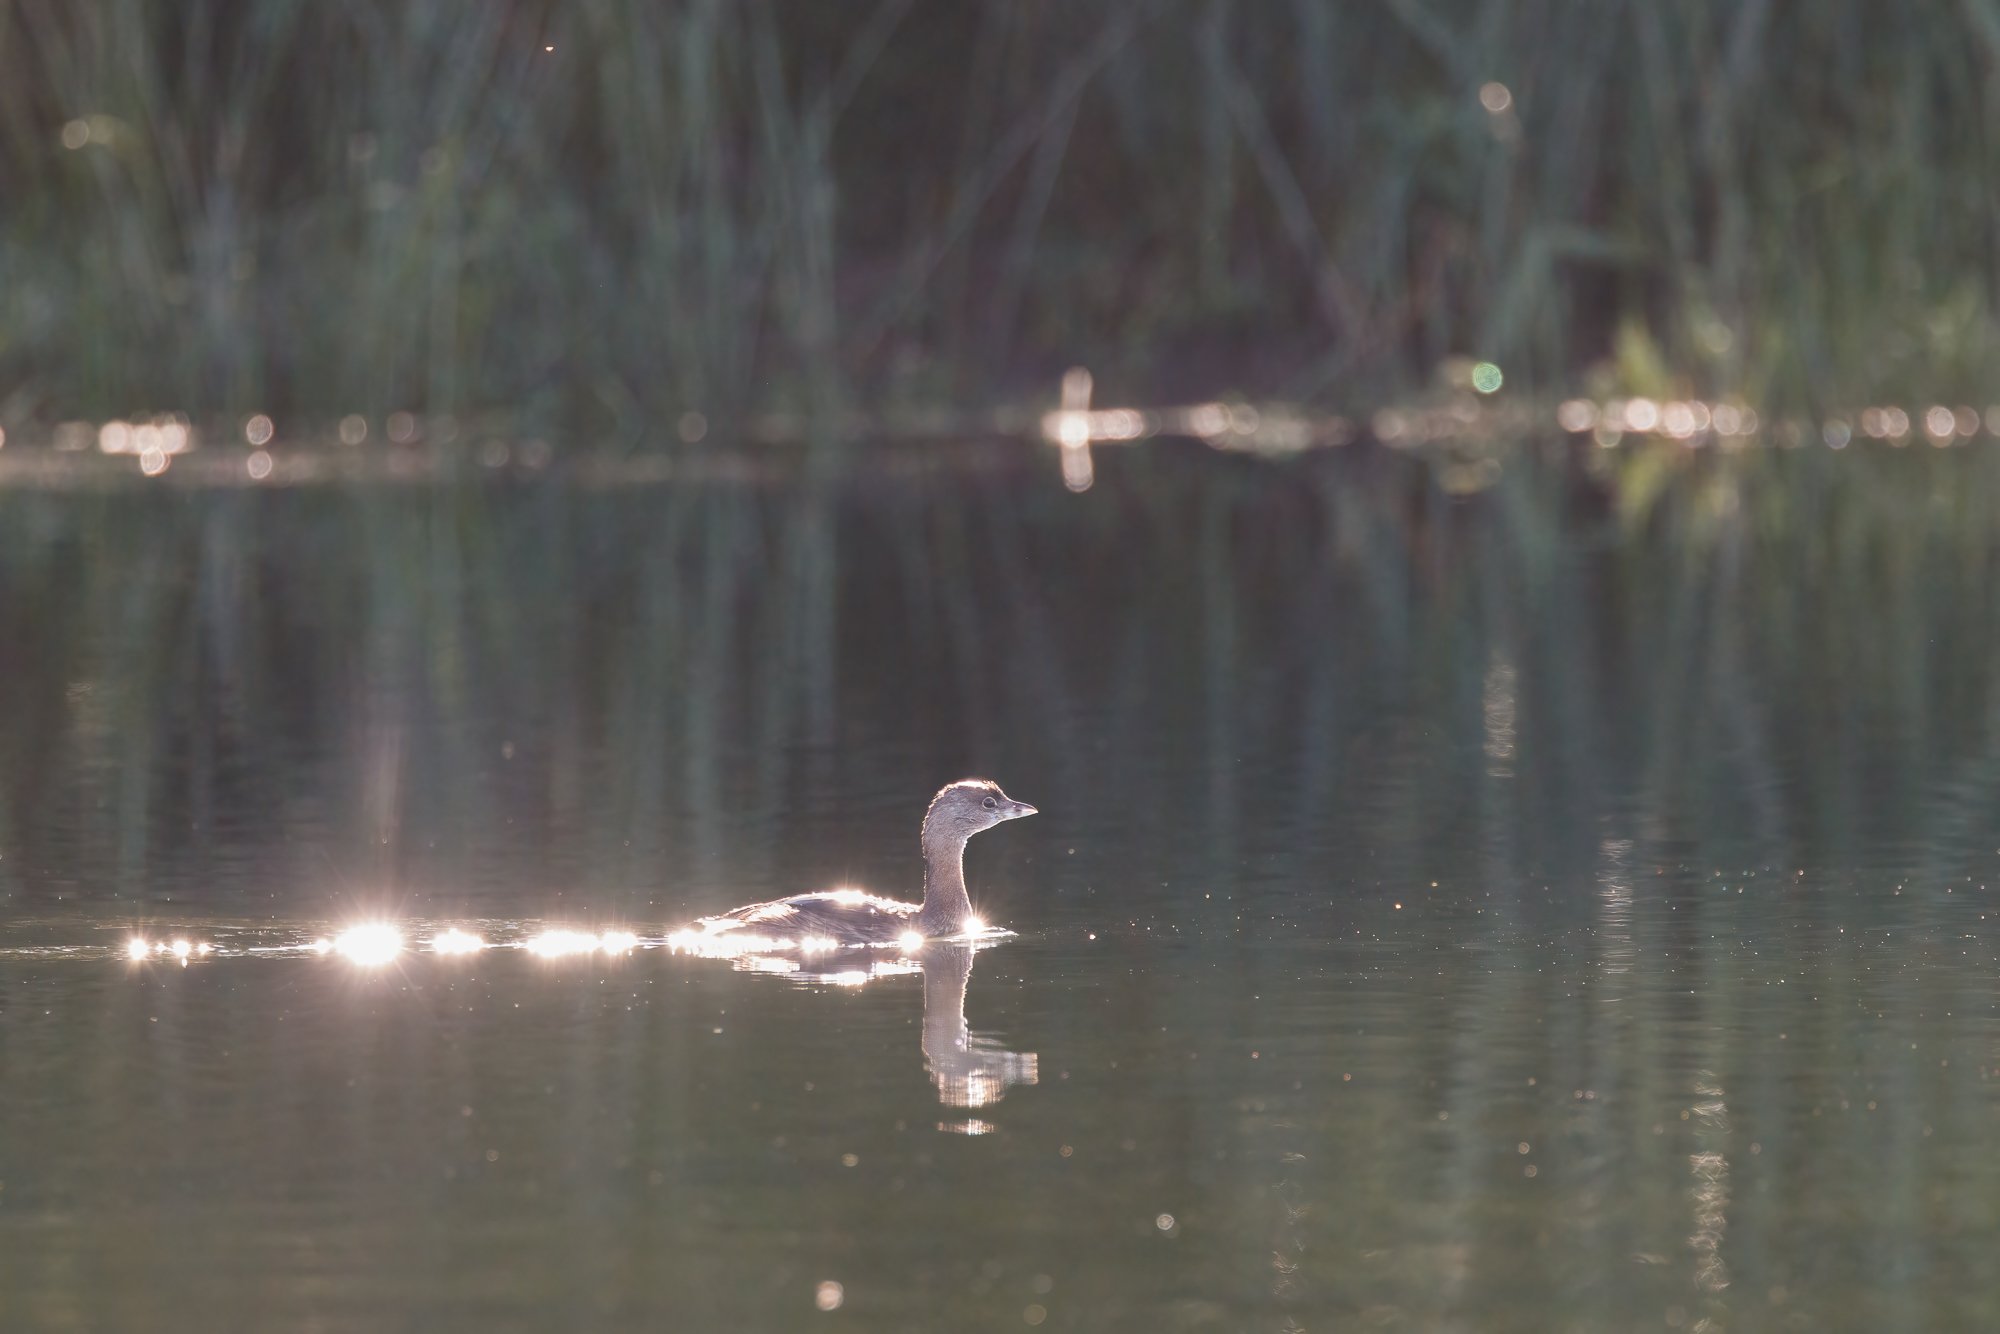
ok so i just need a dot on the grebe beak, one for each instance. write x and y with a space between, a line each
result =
1017 809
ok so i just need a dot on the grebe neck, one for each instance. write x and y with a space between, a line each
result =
946 906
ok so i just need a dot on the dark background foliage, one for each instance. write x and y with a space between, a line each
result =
599 214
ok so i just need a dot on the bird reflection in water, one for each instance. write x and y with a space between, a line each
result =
969 1070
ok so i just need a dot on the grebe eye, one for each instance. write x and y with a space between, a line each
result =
989 803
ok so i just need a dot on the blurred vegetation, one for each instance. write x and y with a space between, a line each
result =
591 216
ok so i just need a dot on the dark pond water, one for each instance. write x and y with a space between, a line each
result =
1567 906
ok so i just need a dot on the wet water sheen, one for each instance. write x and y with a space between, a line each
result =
1488 914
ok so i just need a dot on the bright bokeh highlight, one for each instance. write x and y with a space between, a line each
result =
370 943
560 943
453 940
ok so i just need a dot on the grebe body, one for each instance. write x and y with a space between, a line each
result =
839 918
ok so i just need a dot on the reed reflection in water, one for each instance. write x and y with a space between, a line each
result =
1569 905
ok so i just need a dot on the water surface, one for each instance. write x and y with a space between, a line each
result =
1521 911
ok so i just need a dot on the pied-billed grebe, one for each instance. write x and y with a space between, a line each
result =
841 917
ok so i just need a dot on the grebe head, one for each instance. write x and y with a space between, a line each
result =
964 808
